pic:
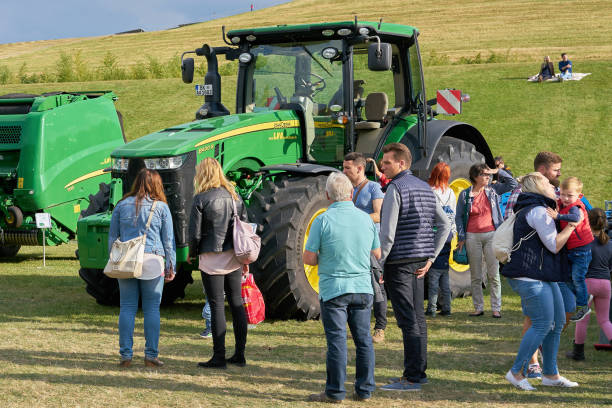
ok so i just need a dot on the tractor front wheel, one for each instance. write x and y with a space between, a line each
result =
106 290
284 210
9 251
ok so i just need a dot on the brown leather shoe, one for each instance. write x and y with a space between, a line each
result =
378 336
153 362
125 363
322 397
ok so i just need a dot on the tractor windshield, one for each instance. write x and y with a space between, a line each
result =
285 73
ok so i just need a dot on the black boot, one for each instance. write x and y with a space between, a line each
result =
576 354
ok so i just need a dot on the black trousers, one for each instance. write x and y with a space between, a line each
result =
230 285
380 311
407 296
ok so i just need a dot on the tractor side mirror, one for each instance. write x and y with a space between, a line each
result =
379 57
187 70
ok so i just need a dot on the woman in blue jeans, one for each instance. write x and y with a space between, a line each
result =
533 271
146 201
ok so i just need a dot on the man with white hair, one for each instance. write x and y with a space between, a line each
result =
340 243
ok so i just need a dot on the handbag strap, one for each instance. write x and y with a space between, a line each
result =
150 218
235 209
361 186
467 212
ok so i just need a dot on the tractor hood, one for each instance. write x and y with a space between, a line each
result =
191 136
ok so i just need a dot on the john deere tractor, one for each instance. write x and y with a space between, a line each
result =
54 151
306 95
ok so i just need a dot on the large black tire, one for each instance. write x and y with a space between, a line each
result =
175 289
460 156
283 209
9 251
106 290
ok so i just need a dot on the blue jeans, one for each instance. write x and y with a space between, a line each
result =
566 74
438 279
579 259
354 309
206 314
569 300
543 303
130 290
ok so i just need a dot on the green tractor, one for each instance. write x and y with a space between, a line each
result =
305 96
54 150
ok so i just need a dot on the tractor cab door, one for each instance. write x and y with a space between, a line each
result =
378 96
297 76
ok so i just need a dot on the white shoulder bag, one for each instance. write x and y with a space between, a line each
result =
126 258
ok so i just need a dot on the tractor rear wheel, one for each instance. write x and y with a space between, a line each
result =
284 210
460 156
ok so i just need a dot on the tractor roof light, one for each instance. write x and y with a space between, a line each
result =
329 53
251 37
235 40
245 57
327 33
345 31
364 31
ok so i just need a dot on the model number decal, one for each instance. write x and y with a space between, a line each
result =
205 148
283 124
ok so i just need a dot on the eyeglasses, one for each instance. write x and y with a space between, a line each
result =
484 175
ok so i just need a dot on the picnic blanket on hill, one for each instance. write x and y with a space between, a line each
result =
577 76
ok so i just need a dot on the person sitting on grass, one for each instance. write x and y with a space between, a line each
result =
598 283
547 70
565 67
572 209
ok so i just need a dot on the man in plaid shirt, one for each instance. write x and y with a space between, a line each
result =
546 163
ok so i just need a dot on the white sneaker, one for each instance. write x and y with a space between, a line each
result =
560 382
520 384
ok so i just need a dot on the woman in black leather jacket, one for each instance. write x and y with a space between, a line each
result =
211 239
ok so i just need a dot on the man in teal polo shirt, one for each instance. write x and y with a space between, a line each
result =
340 243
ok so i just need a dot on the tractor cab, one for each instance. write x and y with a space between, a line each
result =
351 83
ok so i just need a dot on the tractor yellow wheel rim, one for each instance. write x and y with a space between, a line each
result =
312 272
458 185
10 218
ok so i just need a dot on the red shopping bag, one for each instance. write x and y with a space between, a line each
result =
252 300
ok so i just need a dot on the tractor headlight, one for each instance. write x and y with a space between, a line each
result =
120 164
165 163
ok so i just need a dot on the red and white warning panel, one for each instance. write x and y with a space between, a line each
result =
449 101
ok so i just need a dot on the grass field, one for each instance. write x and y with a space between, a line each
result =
59 349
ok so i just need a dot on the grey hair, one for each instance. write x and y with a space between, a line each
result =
338 187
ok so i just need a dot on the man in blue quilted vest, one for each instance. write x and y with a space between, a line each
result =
413 230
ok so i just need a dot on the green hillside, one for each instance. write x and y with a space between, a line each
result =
517 118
